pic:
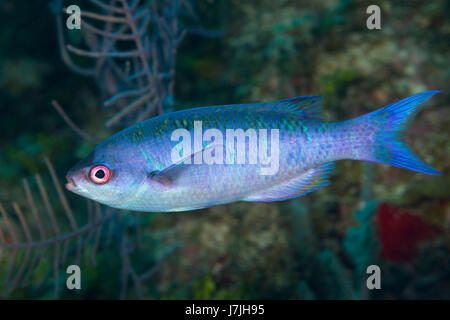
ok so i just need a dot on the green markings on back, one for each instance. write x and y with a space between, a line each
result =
138 135
183 123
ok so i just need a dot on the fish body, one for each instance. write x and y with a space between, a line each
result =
161 164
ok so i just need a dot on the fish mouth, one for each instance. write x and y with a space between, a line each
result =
71 185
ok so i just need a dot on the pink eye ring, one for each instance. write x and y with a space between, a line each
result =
100 174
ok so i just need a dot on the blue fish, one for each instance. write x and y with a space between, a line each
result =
268 151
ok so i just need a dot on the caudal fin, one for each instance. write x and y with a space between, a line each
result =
388 125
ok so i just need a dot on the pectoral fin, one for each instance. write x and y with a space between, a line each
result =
168 176
309 181
161 178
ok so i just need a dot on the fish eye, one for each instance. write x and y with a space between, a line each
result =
100 174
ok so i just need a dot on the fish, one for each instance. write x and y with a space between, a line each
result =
257 152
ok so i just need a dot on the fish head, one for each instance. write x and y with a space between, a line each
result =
110 174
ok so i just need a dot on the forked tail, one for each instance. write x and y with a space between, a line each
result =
382 132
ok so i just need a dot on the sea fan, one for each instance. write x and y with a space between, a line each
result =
27 235
132 46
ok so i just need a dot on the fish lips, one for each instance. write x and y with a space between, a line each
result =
73 176
78 173
70 185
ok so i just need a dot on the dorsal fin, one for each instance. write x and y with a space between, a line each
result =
311 180
307 107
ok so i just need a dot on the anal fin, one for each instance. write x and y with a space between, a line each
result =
309 181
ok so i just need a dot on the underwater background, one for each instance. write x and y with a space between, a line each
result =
314 247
